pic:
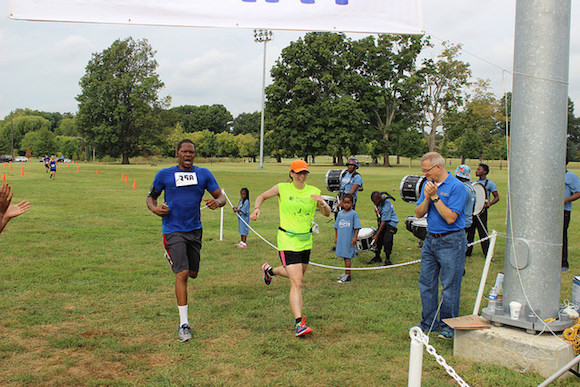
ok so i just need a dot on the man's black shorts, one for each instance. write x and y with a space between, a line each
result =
294 257
182 250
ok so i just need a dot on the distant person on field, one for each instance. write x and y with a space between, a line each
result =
480 221
243 212
52 167
297 202
571 193
387 221
184 186
46 159
7 210
346 227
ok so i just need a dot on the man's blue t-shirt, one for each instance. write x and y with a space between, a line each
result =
345 224
489 185
183 191
348 180
572 186
387 213
453 194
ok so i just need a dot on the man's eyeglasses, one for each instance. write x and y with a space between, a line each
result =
427 170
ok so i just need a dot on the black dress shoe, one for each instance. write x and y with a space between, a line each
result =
374 260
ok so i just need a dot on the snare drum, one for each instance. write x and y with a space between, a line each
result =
409 221
480 198
333 178
419 228
364 241
331 201
411 186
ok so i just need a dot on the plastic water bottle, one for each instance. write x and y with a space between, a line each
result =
492 299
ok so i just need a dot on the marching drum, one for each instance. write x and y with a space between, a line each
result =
333 178
409 221
364 241
331 201
480 198
419 228
411 186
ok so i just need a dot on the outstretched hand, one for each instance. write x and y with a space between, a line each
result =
17 209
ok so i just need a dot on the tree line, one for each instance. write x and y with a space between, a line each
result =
330 95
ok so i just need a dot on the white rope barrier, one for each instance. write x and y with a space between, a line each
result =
335 267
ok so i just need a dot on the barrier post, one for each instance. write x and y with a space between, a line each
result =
415 358
488 259
222 219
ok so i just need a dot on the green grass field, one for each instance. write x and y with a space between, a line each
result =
87 295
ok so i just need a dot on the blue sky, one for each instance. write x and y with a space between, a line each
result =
42 63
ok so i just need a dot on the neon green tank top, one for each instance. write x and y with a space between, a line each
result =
297 210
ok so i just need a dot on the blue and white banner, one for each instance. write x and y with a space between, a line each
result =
368 16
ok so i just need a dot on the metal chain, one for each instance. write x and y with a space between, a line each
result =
424 339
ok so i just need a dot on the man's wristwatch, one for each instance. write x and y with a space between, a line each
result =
436 200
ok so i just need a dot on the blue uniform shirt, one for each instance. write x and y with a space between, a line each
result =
183 191
572 186
452 193
348 180
244 206
489 186
345 224
387 213
469 203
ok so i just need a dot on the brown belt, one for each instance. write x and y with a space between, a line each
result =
442 235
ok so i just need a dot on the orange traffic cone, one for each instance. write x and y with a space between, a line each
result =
21 171
126 179
123 176
134 184
78 168
97 171
3 177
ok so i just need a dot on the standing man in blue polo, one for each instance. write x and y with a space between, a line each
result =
443 254
184 186
571 193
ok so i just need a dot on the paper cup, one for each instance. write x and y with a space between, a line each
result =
515 308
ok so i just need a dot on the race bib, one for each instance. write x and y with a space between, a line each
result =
183 179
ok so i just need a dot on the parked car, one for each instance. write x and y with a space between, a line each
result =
21 159
5 159
62 159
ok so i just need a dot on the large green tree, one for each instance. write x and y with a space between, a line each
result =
309 86
215 118
119 102
387 85
445 79
246 123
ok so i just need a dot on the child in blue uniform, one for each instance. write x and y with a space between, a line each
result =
387 226
243 212
347 226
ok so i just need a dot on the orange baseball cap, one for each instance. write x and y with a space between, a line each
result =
299 166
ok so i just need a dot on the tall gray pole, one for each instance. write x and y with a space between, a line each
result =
11 137
538 149
262 36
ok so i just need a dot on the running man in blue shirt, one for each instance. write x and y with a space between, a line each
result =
184 186
347 226
443 254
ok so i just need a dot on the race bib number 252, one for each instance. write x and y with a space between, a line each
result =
183 179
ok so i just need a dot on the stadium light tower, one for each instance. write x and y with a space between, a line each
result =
263 36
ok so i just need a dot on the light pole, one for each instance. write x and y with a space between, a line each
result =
263 36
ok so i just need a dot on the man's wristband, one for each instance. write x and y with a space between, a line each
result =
435 200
